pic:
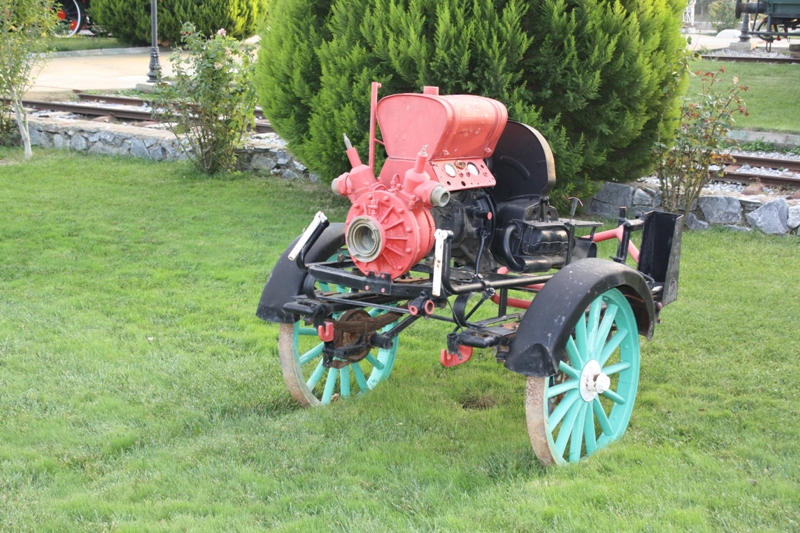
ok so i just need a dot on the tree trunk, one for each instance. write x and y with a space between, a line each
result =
22 122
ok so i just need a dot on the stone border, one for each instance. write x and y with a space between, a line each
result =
774 216
264 154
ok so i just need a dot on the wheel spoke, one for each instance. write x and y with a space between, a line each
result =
374 362
619 367
307 331
605 326
561 388
592 322
580 334
568 370
311 354
602 419
567 427
614 397
574 355
562 408
612 345
330 385
360 379
588 432
344 381
315 376
576 441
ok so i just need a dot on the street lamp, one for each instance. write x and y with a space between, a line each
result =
155 66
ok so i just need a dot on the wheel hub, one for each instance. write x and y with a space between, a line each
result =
593 381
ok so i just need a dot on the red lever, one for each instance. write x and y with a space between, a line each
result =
452 359
325 332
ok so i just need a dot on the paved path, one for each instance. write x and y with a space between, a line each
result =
65 74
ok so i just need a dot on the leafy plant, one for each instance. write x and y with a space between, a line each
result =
24 27
209 105
699 139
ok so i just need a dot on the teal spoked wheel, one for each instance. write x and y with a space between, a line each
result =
310 383
588 404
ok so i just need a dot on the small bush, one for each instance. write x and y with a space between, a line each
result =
700 136
129 20
210 102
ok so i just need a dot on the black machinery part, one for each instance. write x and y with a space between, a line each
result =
541 338
286 279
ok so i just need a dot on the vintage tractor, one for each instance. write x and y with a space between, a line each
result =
459 220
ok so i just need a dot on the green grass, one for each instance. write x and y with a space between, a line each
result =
773 97
82 42
138 391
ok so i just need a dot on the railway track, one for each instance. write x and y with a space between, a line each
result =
118 107
745 170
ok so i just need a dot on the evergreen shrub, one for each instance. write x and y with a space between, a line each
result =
591 75
129 20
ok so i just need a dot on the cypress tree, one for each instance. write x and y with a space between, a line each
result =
589 74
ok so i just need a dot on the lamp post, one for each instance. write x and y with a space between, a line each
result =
155 66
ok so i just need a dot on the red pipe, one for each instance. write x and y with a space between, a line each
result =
373 108
612 233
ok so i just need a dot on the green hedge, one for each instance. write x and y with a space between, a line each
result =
129 20
592 75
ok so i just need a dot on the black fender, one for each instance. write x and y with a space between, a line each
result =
541 339
286 279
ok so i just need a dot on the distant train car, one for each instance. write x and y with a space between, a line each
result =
771 19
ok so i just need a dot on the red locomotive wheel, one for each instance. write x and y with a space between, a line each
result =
71 18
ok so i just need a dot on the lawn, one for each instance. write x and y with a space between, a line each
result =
138 391
773 97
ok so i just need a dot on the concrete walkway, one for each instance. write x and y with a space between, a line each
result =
62 75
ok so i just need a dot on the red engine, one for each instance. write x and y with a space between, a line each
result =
435 145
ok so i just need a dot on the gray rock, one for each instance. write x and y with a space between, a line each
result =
720 209
138 149
793 220
282 157
59 141
34 135
78 143
109 137
749 205
100 148
602 209
738 228
290 174
93 137
157 153
694 223
263 162
771 218
615 194
315 178
150 141
298 166
641 198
